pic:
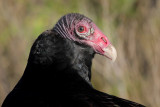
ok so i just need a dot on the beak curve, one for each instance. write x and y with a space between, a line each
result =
110 52
101 44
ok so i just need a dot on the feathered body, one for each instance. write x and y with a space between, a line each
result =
58 72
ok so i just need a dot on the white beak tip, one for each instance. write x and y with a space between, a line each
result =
110 52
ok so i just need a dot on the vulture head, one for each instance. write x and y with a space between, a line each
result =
81 29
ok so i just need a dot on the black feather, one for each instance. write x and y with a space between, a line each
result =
58 74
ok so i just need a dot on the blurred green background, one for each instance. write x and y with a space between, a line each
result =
133 27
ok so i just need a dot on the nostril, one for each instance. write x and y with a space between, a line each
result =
104 39
71 33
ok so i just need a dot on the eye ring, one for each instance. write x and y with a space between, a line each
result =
81 29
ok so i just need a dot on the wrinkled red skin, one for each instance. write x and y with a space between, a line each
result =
97 40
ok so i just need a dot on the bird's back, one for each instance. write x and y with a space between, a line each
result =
58 72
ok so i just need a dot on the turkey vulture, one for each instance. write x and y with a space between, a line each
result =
58 71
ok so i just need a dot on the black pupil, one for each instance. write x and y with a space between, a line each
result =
81 29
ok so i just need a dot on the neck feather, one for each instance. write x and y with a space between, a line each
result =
66 61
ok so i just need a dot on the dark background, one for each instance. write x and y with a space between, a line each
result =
133 27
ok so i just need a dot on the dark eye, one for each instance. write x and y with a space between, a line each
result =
81 29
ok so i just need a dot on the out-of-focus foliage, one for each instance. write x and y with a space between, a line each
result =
133 26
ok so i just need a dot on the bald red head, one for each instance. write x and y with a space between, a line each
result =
80 28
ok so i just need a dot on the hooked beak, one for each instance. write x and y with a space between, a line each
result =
110 52
101 44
